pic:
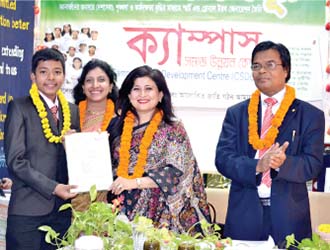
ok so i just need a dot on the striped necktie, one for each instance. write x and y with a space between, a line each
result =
266 125
54 113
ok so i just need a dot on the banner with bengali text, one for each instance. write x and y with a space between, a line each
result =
16 43
202 47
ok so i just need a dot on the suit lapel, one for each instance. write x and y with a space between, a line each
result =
251 151
60 118
292 111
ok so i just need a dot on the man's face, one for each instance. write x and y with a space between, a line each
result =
49 77
72 51
91 50
94 35
269 80
82 47
75 34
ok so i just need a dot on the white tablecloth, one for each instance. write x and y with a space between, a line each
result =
255 245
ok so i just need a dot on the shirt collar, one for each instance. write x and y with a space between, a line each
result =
48 101
278 96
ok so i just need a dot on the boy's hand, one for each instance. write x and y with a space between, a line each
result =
63 191
6 183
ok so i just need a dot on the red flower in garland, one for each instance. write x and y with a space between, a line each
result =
328 69
327 87
327 3
327 26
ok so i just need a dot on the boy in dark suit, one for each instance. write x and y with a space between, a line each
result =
35 155
270 146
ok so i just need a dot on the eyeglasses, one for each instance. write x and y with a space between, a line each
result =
271 65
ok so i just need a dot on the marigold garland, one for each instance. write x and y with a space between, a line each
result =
109 112
125 145
276 122
38 103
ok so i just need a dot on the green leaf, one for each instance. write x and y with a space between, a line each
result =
290 240
307 243
47 238
65 206
93 193
45 228
316 238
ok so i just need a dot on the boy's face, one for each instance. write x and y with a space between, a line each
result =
49 77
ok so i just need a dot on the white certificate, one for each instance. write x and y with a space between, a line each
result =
89 160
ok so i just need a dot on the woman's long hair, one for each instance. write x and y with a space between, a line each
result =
78 92
123 104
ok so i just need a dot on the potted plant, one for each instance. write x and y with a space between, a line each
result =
324 231
141 225
212 236
209 235
315 243
101 219
159 238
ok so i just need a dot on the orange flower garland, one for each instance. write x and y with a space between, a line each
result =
109 112
276 122
125 145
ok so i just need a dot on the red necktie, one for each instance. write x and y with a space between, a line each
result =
266 124
54 113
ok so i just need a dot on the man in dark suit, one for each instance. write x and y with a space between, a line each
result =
35 155
270 165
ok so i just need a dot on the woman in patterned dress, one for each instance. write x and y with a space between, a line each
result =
155 170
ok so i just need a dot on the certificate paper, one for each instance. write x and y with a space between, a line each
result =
89 160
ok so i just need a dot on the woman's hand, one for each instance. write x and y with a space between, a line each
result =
121 184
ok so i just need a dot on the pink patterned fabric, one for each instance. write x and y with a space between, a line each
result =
266 124
180 199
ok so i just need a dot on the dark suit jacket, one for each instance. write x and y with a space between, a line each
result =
35 165
290 211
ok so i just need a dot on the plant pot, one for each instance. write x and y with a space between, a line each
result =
186 246
324 236
89 242
151 245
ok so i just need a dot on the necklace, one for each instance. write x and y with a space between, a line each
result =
276 122
125 144
109 111
92 112
43 114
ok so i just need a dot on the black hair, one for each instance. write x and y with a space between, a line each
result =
88 32
70 30
53 37
78 92
123 102
47 54
281 49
